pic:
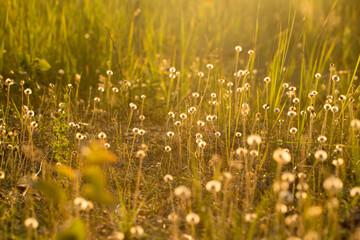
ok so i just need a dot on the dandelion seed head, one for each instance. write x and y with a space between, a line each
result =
327 106
292 220
28 91
321 155
338 162
183 116
173 217
133 106
355 124
9 82
141 132
251 52
192 218
192 110
101 89
249 217
167 149
210 66
333 184
168 178
195 94
288 177
182 192
342 98
137 231
253 140
267 79
241 151
140 154
34 124
282 157
322 139
335 78
213 186
300 195
291 113
281 208
355 192
238 49
302 186
293 130
30 113
172 70
79 136
202 144
171 114
31 223
280 186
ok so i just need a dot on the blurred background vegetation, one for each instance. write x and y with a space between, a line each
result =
133 37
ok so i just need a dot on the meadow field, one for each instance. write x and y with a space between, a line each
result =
179 119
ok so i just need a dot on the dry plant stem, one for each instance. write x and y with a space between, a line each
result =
137 186
93 115
342 124
324 124
329 83
7 102
130 155
203 95
177 89
169 92
129 121
332 128
180 147
175 227
247 182
142 111
198 87
88 105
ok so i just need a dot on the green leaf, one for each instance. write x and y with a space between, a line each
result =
51 191
42 64
76 231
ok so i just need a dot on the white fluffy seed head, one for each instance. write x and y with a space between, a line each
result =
238 48
321 155
182 192
213 186
282 157
253 140
333 184
192 218
355 124
31 223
